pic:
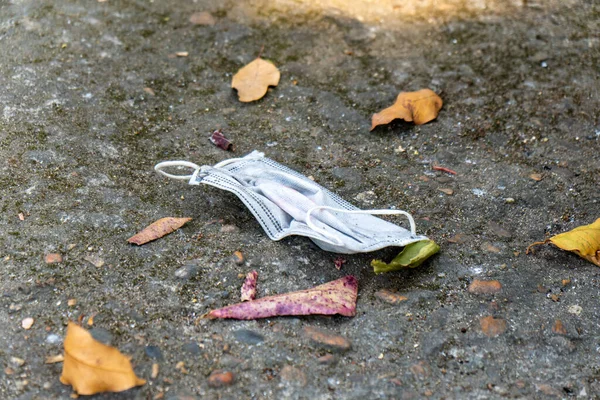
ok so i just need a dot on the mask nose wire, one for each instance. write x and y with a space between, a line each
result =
309 222
159 168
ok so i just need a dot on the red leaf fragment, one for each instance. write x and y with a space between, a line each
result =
249 286
335 297
339 262
158 229
443 169
218 139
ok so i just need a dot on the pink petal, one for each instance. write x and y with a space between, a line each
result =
336 297
249 286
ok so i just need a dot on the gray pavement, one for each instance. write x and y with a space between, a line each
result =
92 95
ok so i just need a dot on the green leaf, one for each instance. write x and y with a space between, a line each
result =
411 256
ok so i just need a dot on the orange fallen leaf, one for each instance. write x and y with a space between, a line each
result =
92 367
583 241
421 107
158 229
253 80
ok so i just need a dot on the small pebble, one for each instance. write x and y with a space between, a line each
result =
27 323
247 336
47 385
192 348
153 352
155 370
53 338
95 260
229 229
220 378
492 327
327 339
390 297
447 191
575 309
509 200
202 18
484 287
53 258
238 257
17 362
186 272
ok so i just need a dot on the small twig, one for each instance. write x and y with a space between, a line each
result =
261 51
444 169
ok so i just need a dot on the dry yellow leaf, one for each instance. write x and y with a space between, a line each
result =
583 241
253 80
421 107
92 367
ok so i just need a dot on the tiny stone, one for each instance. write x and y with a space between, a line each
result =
559 328
238 257
390 297
487 246
293 375
192 348
327 359
326 339
447 191
492 327
53 338
229 229
153 352
536 177
16 361
155 370
509 200
15 307
71 302
27 323
220 378
53 258
95 260
247 336
186 272
575 309
47 385
101 335
484 287
202 18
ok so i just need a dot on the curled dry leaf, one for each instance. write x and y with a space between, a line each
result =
336 297
92 367
411 256
583 241
249 286
421 107
158 229
253 80
218 139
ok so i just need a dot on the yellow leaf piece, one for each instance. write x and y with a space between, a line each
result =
92 367
253 80
421 107
583 241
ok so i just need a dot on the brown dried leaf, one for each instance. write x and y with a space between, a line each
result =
421 107
158 229
253 80
92 367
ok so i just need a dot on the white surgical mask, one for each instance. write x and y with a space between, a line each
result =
286 203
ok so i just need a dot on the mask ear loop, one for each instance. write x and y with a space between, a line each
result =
337 241
159 168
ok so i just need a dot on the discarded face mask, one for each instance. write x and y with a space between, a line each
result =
286 203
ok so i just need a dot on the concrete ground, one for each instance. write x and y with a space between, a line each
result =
92 96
